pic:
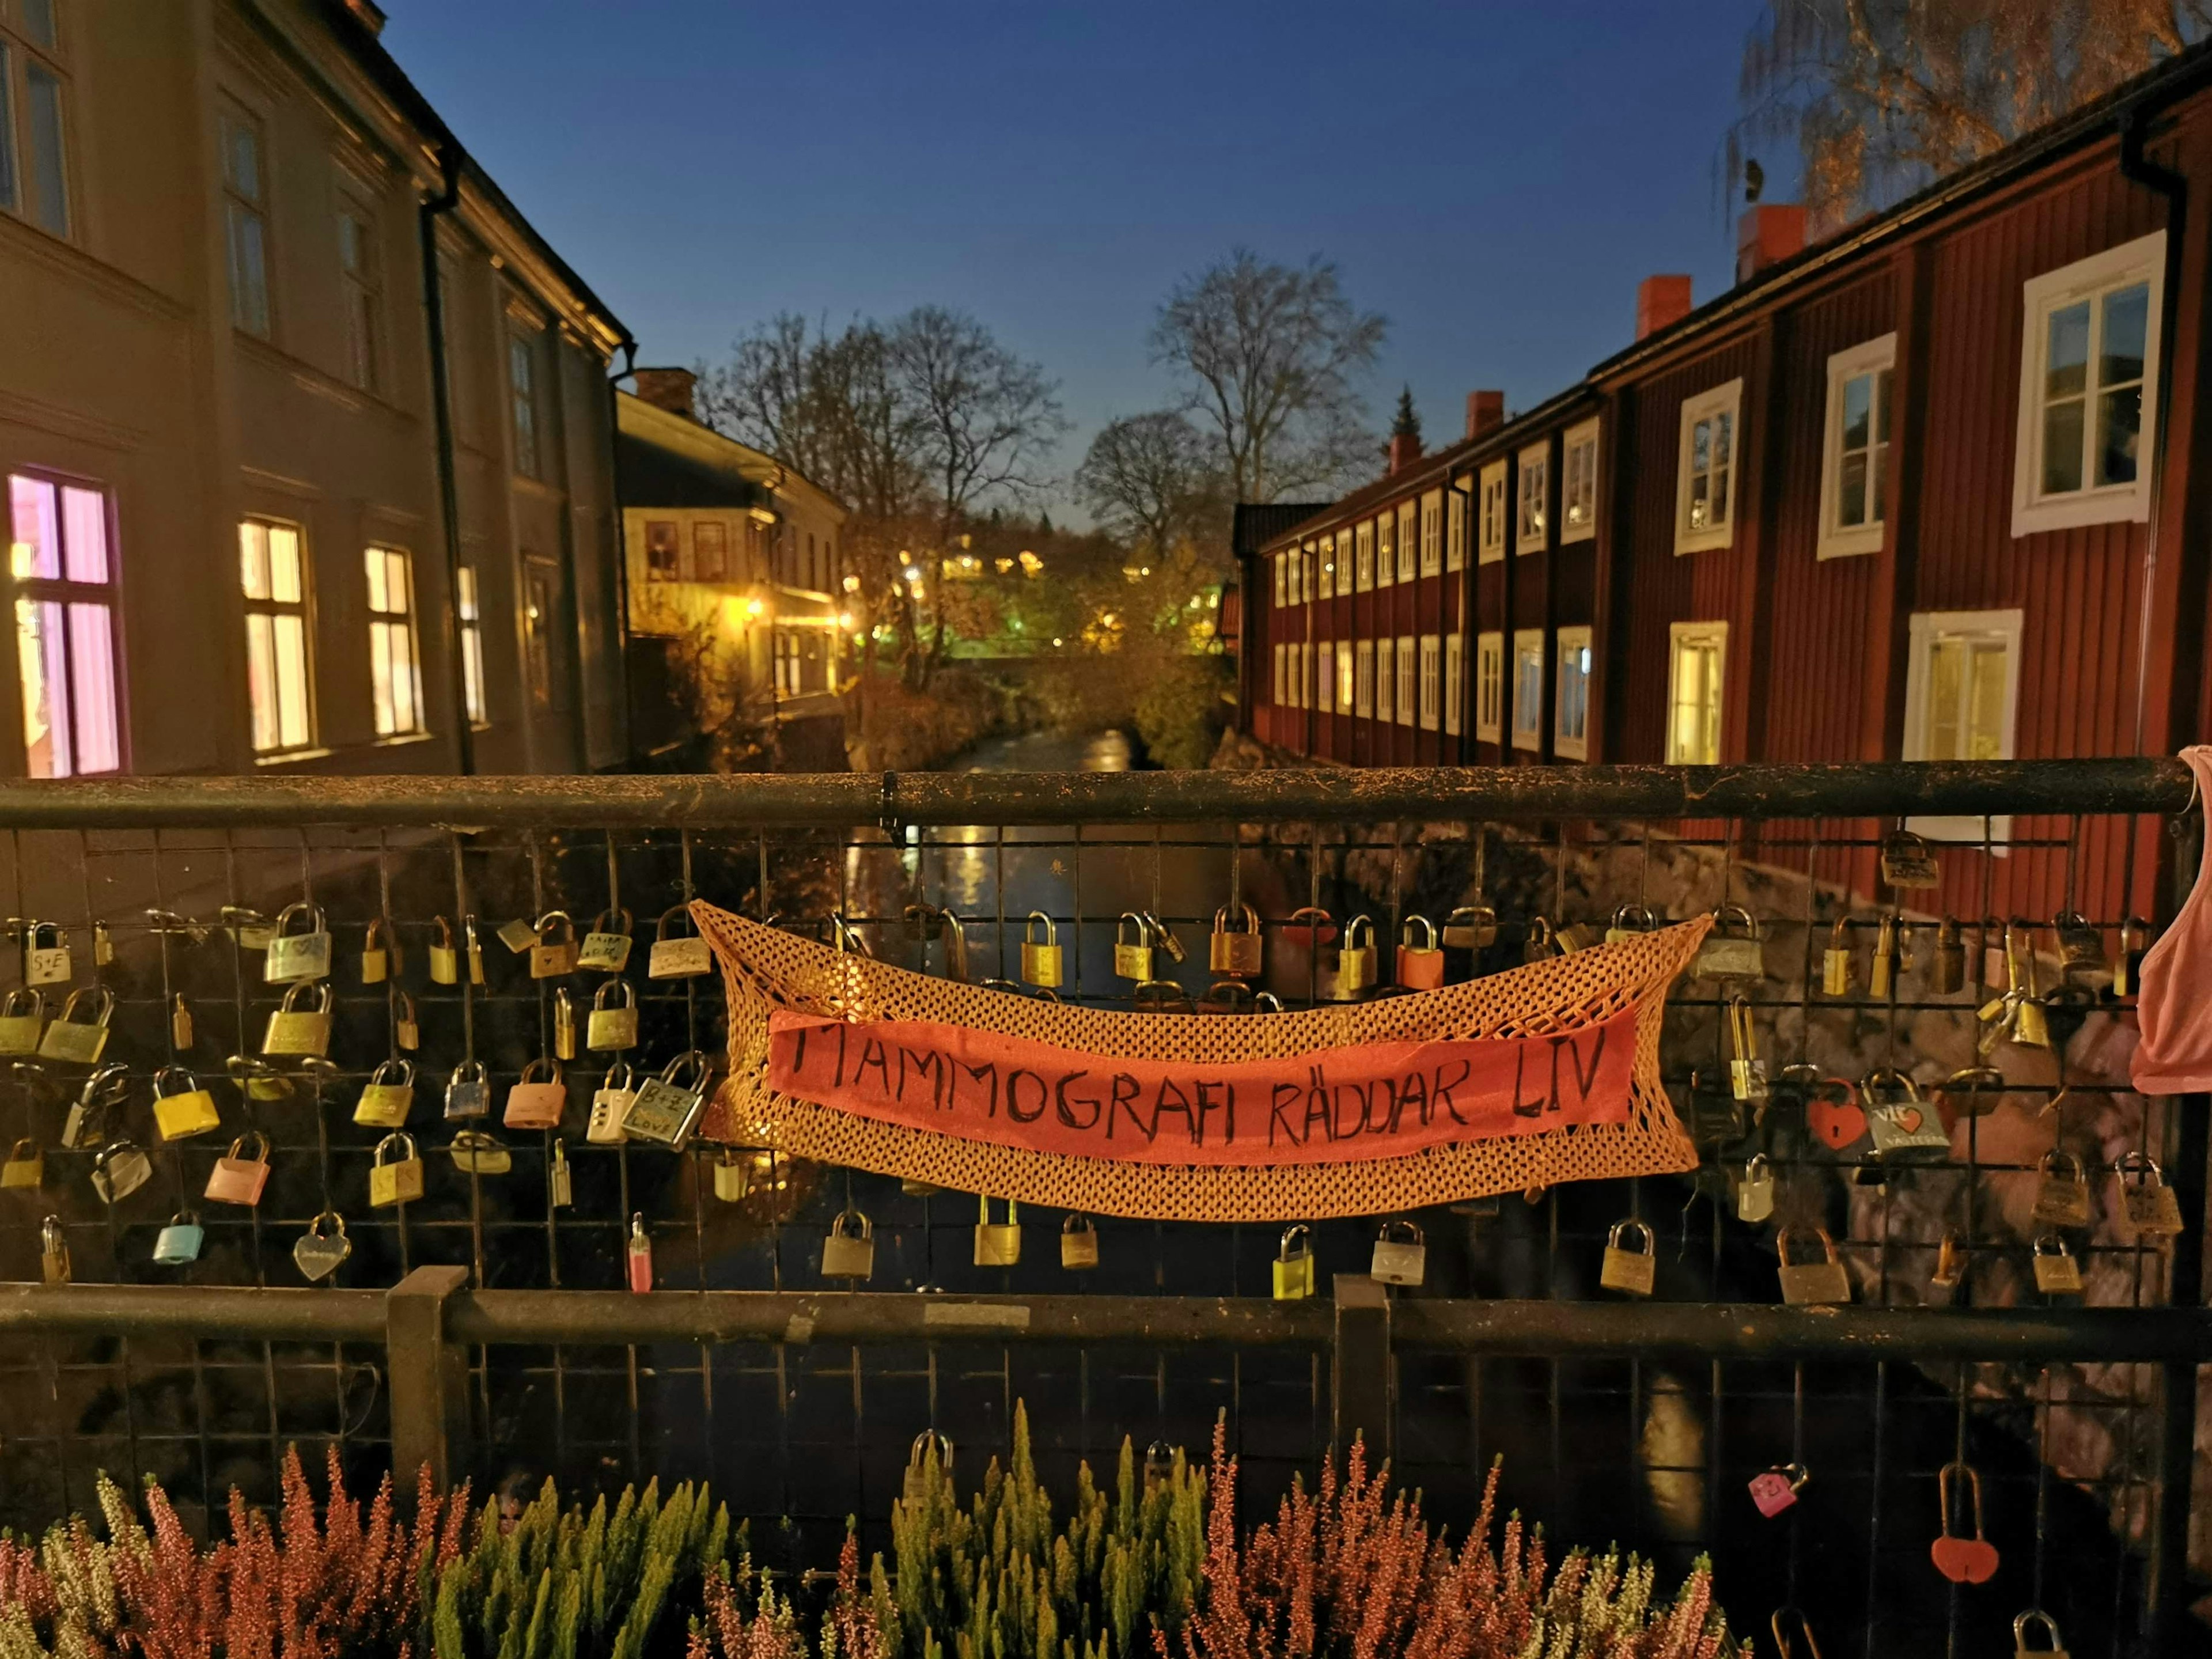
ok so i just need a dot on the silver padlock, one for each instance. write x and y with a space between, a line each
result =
299 956
469 1093
2037 1616
847 1253
610 1103
1398 1261
46 953
1732 950
120 1169
666 1108
676 956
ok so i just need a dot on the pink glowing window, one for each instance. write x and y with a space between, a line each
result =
63 570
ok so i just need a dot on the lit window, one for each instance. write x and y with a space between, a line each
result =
472 661
1324 677
1432 532
1363 556
1455 510
1854 453
1282 582
1362 680
274 575
65 646
1344 673
664 550
245 219
1490 687
1386 678
1327 556
1408 668
1408 528
1578 484
33 166
1529 689
395 671
1697 655
2087 393
1455 680
1281 686
710 551
364 299
1310 691
522 391
1386 549
1431 680
1704 495
538 621
1531 502
1571 714
1490 537
1961 698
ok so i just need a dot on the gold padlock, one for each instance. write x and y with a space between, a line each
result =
1294 1269
517 935
2127 966
2057 1650
613 1024
1538 943
1632 1272
398 1181
606 948
180 1025
1355 959
53 1251
2080 941
564 1024
997 1243
1947 972
1808 1283
103 946
444 960
1133 957
2062 1191
1836 960
2030 1027
76 1038
560 1183
1236 952
1733 949
1471 927
1042 960
478 1153
388 1097
1881 973
406 1026
1907 861
2057 1272
1419 966
189 1111
556 950
22 1021
472 947
847 1254
1746 1070
1078 1243
676 956
1950 1271
378 950
2151 1209
26 1168
294 1030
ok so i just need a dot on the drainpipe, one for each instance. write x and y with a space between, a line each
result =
451 159
2133 121
621 539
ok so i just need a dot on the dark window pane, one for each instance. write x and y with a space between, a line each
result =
1858 402
2061 447
1850 494
2127 321
2066 351
2119 428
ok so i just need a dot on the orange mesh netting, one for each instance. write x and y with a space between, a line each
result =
766 968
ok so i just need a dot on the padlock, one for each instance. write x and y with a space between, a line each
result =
86 1125
555 951
2057 1272
1746 1070
377 951
258 1080
397 1178
1574 936
564 1024
472 948
1163 937
1907 861
22 1021
53 1251
1042 960
388 1097
1294 1273
1946 970
323 1249
997 1243
1777 1489
304 955
1471 927
1905 1127
1630 921
1754 1192
2080 941
1133 948
560 1182
605 949
478 1153
26 1168
1806 1283
1733 949
238 1178
1078 1243
1973 1091
1235 952
120 1169
733 1177
610 1103
1716 1116
613 1024
1949 1271
2149 1207
1420 966
1398 1261
1632 1272
924 923
1318 929
538 1098
103 946
445 961
1538 943
178 1245
249 929
294 1030
189 1111
1355 960
406 1027
517 935
2029 1026
847 1254
2057 1650
928 1465
2127 965
77 1036
1836 960
2062 1191
45 954
666 1108
680 956
468 1092
180 1025
640 1256
1881 971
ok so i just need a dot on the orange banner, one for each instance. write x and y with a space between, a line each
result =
1331 1105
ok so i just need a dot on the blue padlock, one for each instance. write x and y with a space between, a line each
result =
179 1243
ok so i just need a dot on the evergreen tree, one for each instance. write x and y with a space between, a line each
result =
1406 423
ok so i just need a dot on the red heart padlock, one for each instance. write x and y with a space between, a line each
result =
1962 1560
1835 1113
1777 1489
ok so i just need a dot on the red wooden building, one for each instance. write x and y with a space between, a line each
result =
1936 487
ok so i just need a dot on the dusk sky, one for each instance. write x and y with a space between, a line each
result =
1494 179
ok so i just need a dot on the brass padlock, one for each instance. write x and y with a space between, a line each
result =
1420 966
1746 1070
847 1254
444 960
478 1153
1973 1091
1235 952
539 1098
295 1031
406 1025
238 1176
299 956
377 951
1903 1126
250 929
2080 941
556 950
78 1035
188 1111
1733 949
46 953
1807 1284
1630 921
997 1243
472 947
1949 1273
606 948
564 1024
1398 1261
924 923
2150 1208
1633 1272
103 946
1947 971
26 1168
1294 1268
2062 1191
1471 927
53 1251
1133 948
180 1025
613 1024
1574 936
120 1169
2019 1647
1882 972
1043 961
560 1183
398 1179
676 956
2057 1272
517 935
22 1021
1163 936
2127 966
610 1104
388 1097
1355 959
666 1109
1754 1192
1538 943
1836 960
468 1091
1907 861
1078 1243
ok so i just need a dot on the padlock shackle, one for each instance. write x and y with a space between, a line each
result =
617 983
261 1145
567 925
1627 917
1943 1494
301 908
24 1001
699 1065
1783 1236
103 1001
1029 929
1428 933
175 1071
1383 1235
1250 919
1077 1222
400 1138
1620 1228
321 987
2144 1161
837 1227
1143 932
2050 1629
660 925
623 919
1296 1230
537 1071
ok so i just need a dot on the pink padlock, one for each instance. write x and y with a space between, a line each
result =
1778 1489
640 1256
238 1177
539 1099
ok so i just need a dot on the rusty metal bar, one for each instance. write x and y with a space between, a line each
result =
210 1310
429 1376
1361 1397
1492 794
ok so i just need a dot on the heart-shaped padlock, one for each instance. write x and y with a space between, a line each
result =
1962 1560
1834 1113
324 1247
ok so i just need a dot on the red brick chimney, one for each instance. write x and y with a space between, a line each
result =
1768 234
1660 302
669 389
1405 449
1484 410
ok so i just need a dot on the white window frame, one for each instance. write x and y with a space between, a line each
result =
2142 260
1490 539
1529 734
1700 634
1928 628
1386 679
1725 399
272 609
1839 541
1409 527
1454 681
36 159
1490 686
1532 524
1362 680
470 607
245 225
1432 532
1386 548
361 274
1408 680
1363 556
395 650
1572 657
1431 675
1344 681
1578 483
1458 505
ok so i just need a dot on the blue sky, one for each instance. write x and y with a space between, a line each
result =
1494 178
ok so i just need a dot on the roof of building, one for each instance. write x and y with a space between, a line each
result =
1257 523
665 459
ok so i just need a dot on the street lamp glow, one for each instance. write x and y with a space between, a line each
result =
844 619
914 573
753 607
